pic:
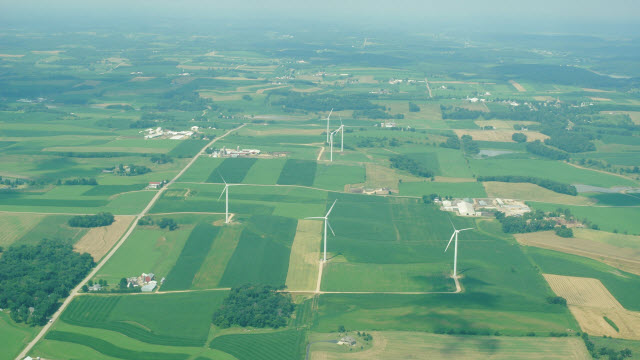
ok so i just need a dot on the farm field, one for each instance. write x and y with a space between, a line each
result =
98 241
590 303
400 345
617 250
126 118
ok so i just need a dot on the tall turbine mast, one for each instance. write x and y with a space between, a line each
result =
326 224
455 248
226 192
328 117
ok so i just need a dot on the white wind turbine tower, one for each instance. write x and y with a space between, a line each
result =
455 248
225 191
328 117
326 224
341 131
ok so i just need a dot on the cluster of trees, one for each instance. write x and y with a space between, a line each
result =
372 141
89 221
564 232
34 278
132 170
322 102
406 163
142 124
519 137
161 159
570 141
120 107
484 332
80 181
375 114
605 351
538 148
255 305
545 183
529 222
458 113
413 107
164 223
557 300
101 282
428 199
469 146
452 142
180 99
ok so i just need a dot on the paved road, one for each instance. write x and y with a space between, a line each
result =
95 270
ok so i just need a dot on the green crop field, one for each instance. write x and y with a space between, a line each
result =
335 177
612 219
188 148
286 345
193 254
13 337
265 171
168 319
201 169
53 227
108 190
262 253
298 172
16 225
231 170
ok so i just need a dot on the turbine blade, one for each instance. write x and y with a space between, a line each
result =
222 178
454 227
331 208
315 217
222 193
330 228
465 229
450 240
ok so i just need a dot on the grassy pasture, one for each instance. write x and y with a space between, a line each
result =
262 253
612 219
531 192
181 319
53 227
461 189
335 177
191 258
232 170
108 190
285 345
403 345
298 172
547 169
617 250
14 337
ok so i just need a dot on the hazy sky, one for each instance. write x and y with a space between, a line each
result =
392 12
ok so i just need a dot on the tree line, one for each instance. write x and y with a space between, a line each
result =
545 183
529 222
34 278
90 221
538 148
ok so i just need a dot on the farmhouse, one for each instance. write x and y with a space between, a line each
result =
95 287
347 340
154 185
142 280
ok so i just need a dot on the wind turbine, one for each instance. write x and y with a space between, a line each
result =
225 191
328 117
455 248
326 224
341 131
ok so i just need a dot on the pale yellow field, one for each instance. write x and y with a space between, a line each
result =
517 86
499 135
596 90
634 115
46 52
589 302
502 124
599 98
260 91
309 90
10 56
98 241
216 261
617 250
453 180
544 98
378 176
305 254
15 225
142 78
532 192
415 345
266 130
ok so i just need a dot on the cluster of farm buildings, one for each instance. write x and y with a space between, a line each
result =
225 152
170 134
484 207
146 282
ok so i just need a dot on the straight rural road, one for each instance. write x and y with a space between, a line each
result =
95 270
